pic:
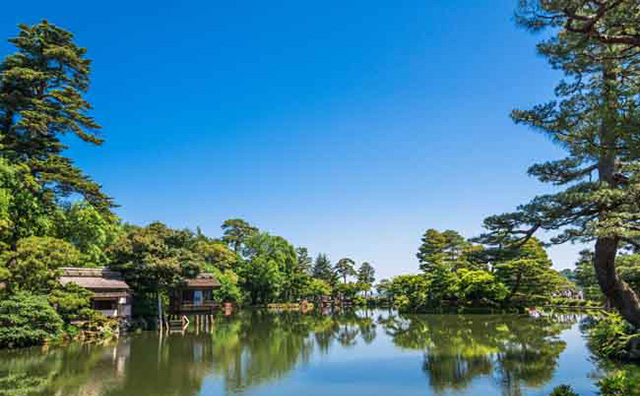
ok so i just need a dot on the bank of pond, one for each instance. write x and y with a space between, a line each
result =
365 352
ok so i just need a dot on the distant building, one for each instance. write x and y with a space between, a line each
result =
111 294
195 296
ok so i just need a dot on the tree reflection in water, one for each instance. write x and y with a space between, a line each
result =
246 350
513 350
254 348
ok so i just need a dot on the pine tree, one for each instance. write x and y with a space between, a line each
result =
366 274
322 268
41 99
345 267
595 119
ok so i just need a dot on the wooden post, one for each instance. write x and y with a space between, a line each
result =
159 311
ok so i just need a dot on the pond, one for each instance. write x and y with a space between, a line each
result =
360 353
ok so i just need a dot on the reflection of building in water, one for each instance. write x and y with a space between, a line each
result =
198 351
120 354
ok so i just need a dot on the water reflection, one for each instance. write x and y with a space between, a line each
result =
243 352
512 350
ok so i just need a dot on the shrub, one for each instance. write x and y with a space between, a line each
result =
563 390
99 327
620 384
402 303
72 302
612 336
27 319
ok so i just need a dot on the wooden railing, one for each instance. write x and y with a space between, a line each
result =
203 306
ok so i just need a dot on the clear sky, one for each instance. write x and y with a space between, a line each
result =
349 127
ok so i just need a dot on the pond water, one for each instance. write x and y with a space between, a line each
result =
361 353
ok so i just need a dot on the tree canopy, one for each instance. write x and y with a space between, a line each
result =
593 118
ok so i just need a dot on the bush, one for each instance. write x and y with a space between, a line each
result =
72 302
27 319
620 384
612 337
563 390
402 303
99 327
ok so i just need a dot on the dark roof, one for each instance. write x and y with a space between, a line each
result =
203 280
94 278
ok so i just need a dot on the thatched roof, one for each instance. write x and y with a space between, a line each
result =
93 278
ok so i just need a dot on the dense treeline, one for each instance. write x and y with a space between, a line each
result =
53 215
459 272
252 266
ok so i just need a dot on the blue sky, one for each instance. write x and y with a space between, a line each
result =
347 127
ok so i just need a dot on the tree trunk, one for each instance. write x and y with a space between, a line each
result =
619 294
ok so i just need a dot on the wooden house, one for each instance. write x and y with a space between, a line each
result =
195 295
111 294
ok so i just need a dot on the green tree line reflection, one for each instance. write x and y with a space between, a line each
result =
254 348
514 351
245 350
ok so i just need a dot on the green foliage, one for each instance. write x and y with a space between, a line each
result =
229 290
99 327
72 302
322 269
90 231
27 319
585 275
627 265
594 119
21 212
612 337
155 258
516 352
270 261
344 268
216 254
448 249
409 292
349 290
563 390
366 274
479 284
236 232
34 265
317 288
528 272
305 262
621 383
41 99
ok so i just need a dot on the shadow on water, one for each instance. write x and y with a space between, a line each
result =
243 352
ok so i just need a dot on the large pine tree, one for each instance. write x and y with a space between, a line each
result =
595 119
42 88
